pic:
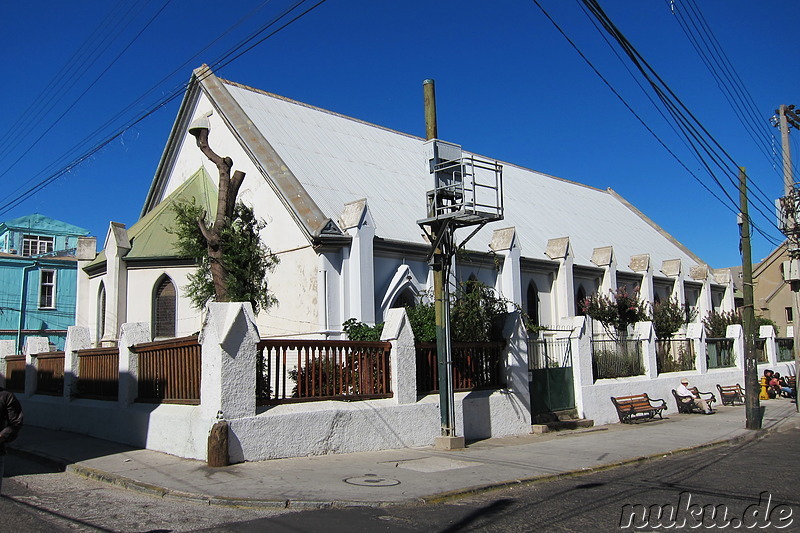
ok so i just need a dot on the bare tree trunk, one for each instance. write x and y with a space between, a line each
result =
226 201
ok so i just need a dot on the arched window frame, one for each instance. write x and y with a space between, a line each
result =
162 328
101 311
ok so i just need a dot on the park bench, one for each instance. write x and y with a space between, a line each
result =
690 407
638 406
731 394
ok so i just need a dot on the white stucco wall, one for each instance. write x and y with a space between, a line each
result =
141 292
597 397
175 429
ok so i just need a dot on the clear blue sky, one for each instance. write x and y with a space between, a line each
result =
509 86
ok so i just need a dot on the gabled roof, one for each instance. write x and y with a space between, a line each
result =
318 161
43 225
149 237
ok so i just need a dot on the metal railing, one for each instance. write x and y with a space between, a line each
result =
98 373
296 370
719 353
549 353
169 371
674 355
50 373
785 347
476 365
616 358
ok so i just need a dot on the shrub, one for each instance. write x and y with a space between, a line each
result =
717 323
616 311
669 316
359 331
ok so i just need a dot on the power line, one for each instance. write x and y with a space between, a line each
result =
706 148
226 59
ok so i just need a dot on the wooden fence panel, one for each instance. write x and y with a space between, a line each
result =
169 371
15 373
476 365
50 373
311 370
98 373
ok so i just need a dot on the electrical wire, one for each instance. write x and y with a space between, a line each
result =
225 60
703 144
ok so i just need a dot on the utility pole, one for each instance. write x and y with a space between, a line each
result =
751 389
789 224
442 234
467 192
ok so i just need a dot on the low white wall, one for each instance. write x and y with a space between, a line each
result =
319 428
597 397
174 429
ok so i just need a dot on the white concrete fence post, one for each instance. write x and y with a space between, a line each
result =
78 338
696 333
646 336
580 339
7 347
130 334
516 363
229 340
33 345
403 363
770 344
736 332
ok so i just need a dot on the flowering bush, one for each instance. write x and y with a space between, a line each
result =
615 311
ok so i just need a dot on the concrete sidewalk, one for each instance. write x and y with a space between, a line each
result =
394 476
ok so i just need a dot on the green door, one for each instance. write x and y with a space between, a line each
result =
551 383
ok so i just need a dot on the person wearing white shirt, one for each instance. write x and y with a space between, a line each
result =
688 396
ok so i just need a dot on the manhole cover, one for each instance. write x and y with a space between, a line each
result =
372 480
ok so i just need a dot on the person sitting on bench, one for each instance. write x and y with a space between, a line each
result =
688 396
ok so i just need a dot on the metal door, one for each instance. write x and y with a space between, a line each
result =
550 369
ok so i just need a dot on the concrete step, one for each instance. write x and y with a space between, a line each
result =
562 425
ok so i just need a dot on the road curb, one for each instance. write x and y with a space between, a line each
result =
283 504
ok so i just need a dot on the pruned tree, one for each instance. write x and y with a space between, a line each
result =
226 201
232 261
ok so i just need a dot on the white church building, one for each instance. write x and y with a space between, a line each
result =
341 199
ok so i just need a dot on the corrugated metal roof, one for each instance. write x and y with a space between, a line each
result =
339 160
149 238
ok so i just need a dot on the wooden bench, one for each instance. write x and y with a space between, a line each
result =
638 406
690 407
731 394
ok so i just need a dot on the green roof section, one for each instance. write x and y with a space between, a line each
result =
149 236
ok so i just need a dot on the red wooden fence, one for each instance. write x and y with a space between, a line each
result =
309 370
50 373
98 373
169 371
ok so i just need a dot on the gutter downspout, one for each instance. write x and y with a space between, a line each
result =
25 271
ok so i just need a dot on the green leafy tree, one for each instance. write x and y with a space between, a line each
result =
716 323
669 316
615 311
244 260
359 331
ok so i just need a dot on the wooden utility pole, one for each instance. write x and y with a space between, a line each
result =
442 233
751 389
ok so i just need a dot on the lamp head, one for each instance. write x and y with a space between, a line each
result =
199 124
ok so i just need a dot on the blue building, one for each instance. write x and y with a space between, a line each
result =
38 278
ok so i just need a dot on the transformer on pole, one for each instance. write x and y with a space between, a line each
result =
467 192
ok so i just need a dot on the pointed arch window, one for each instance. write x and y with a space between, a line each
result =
101 312
165 303
532 306
579 297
